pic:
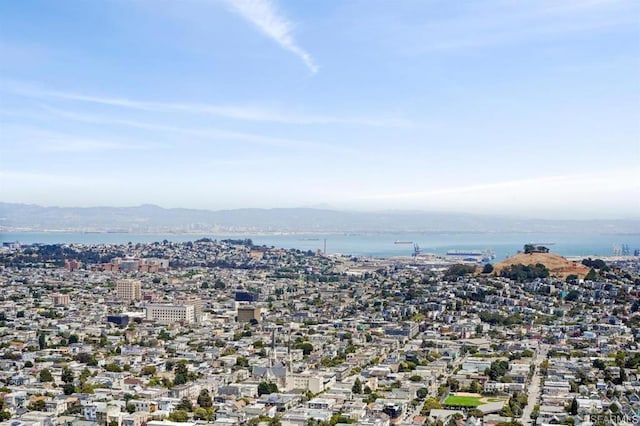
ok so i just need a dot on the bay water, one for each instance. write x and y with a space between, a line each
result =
370 244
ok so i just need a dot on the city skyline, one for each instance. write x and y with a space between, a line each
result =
527 109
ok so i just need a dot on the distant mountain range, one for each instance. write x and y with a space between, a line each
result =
151 218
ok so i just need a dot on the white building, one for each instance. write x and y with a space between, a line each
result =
171 313
315 383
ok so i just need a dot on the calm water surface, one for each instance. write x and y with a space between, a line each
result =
375 245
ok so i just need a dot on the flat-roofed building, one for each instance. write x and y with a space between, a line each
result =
60 299
167 313
246 313
128 289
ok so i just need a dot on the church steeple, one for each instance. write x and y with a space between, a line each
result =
273 347
289 355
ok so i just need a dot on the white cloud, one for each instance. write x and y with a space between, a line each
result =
28 139
28 181
243 112
206 134
83 145
612 181
614 192
265 16
506 23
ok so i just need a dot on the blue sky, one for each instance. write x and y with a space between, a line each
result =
528 108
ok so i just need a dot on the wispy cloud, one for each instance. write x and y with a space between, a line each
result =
32 140
242 113
577 183
269 20
206 134
612 193
505 23
38 179
84 145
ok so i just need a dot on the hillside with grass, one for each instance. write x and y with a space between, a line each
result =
558 266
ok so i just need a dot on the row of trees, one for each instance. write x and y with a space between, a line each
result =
204 411
497 370
515 405
523 273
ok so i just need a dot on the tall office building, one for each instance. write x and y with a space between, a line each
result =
196 302
128 290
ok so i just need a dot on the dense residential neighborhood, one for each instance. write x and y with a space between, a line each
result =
229 333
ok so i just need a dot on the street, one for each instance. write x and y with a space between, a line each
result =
534 388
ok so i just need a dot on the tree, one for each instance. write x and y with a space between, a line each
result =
573 295
242 362
86 358
202 414
149 370
622 377
453 384
487 269
73 338
474 412
536 411
185 404
42 341
67 375
574 407
506 411
523 273
131 408
38 405
204 399
357 386
113 368
497 369
571 278
431 404
68 388
530 248
459 270
85 375
45 375
306 347
265 388
182 373
591 275
86 388
454 419
179 416
422 393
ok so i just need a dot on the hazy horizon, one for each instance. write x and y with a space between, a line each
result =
329 208
520 109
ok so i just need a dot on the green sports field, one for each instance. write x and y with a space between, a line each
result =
462 401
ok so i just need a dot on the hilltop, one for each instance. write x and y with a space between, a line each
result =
558 266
